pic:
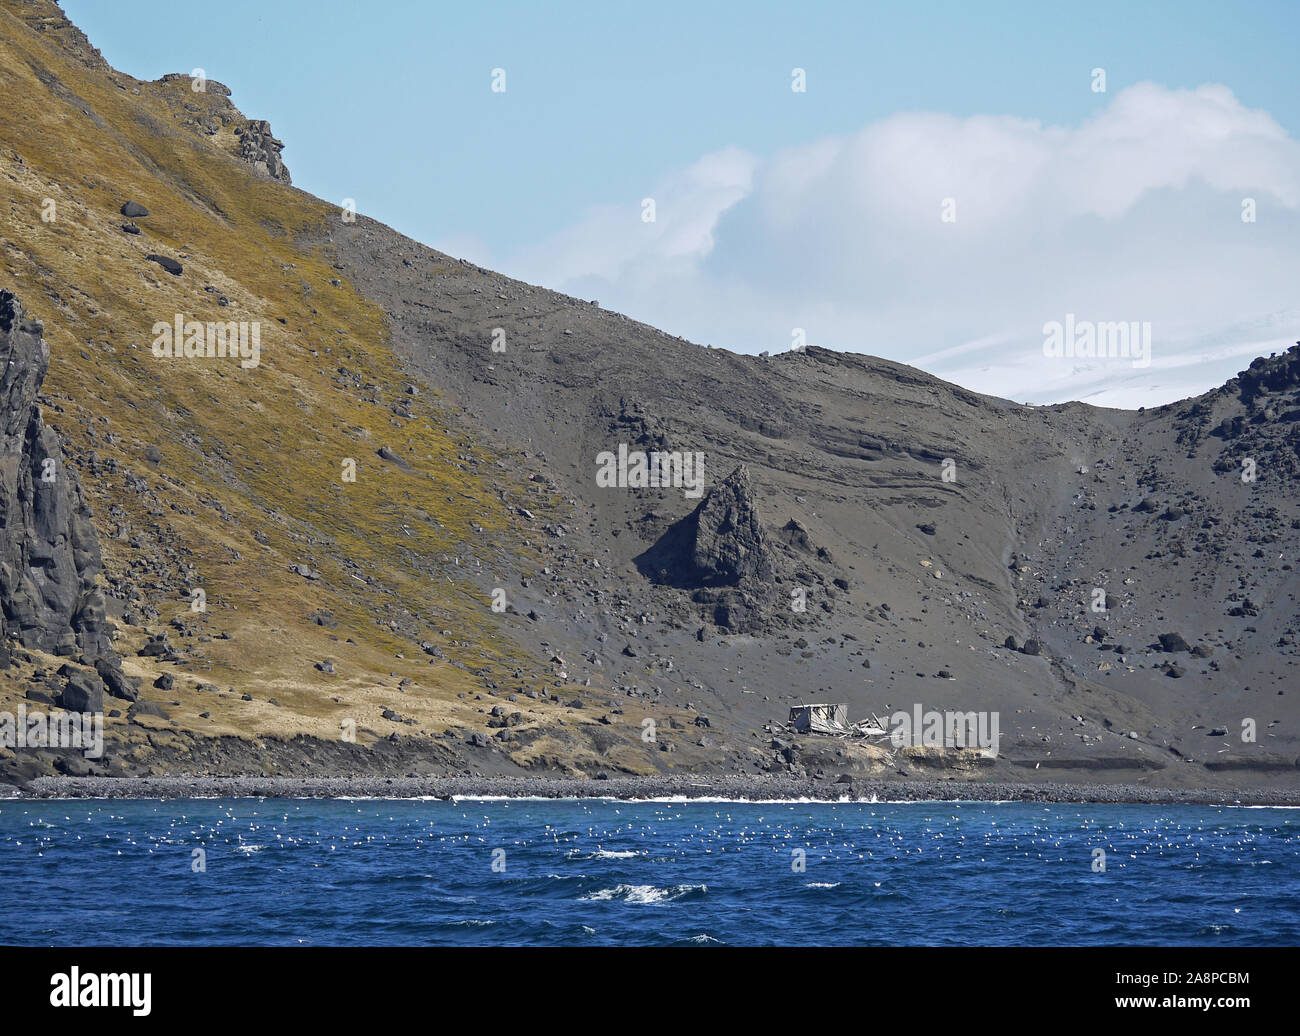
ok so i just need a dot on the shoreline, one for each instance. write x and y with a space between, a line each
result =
714 788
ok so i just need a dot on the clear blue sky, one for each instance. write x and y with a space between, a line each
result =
388 102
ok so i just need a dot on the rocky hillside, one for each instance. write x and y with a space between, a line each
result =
287 546
400 524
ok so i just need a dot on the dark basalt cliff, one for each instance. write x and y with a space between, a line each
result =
49 554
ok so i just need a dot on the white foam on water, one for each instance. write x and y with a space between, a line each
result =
643 893
600 854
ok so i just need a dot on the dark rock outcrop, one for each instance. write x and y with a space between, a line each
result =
204 106
1173 642
1268 375
730 546
720 543
795 536
261 150
720 551
117 683
167 263
83 693
49 554
1258 415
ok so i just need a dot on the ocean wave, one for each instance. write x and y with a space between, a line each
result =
645 893
601 854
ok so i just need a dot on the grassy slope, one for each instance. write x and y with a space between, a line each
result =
242 450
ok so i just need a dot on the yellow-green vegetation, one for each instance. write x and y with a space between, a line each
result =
243 451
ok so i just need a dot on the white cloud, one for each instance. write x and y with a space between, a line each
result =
617 242
1133 215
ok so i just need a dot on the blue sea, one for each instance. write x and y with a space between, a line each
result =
585 872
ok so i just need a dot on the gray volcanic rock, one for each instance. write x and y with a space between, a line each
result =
1173 642
720 543
721 552
84 692
730 546
208 109
261 150
167 263
117 683
1260 418
1267 375
794 535
49 554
